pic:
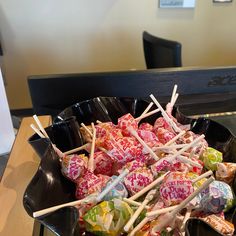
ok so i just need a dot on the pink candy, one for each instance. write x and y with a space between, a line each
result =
103 163
125 122
175 188
138 179
73 166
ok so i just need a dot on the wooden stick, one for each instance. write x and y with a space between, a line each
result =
40 126
77 149
206 174
37 131
173 94
139 226
165 116
135 134
160 211
136 214
175 99
175 138
149 187
195 141
91 157
189 161
131 202
54 208
112 185
147 115
87 129
147 109
177 146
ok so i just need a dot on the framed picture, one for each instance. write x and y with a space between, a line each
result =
222 1
176 3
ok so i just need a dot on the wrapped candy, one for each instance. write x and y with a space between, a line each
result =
217 197
73 166
175 188
161 123
146 126
211 157
103 163
164 135
108 217
89 183
149 138
220 225
226 172
119 191
138 179
125 122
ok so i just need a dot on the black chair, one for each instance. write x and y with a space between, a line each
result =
161 53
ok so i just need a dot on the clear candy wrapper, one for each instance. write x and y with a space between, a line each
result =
226 172
108 217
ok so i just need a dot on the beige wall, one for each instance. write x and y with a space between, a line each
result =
61 36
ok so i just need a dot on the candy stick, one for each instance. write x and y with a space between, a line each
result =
160 211
186 217
135 134
175 99
37 131
195 141
131 202
139 226
170 216
91 157
148 187
136 214
147 114
189 161
77 149
87 129
173 94
147 109
164 114
54 208
206 174
175 138
98 122
40 126
112 185
177 146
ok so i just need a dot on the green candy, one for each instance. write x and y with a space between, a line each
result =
211 157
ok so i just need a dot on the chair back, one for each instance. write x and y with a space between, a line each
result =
161 53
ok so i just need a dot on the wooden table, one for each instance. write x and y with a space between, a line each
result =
22 165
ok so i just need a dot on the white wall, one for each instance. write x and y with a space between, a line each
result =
61 36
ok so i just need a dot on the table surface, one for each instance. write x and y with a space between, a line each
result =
22 165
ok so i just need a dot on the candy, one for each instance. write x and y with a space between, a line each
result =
226 172
164 135
145 126
73 166
217 197
125 122
175 188
138 179
149 138
108 217
103 163
89 183
119 191
211 157
220 225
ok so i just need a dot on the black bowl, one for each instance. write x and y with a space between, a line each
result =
49 187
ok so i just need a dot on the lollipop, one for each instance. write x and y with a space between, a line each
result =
125 122
226 172
175 188
138 179
108 217
73 166
217 197
211 157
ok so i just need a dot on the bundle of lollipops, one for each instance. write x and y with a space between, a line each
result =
146 179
